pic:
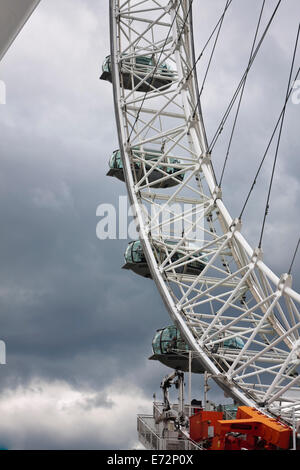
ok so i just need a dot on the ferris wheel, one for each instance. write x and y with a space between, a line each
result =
215 286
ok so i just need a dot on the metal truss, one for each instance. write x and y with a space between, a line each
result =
234 295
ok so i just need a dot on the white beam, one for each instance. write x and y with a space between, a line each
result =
13 16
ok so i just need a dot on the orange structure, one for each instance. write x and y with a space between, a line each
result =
257 430
203 424
251 430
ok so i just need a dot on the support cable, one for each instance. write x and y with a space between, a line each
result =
294 256
228 110
213 48
278 143
267 149
207 42
220 23
241 96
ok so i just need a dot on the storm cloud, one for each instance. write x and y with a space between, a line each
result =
78 329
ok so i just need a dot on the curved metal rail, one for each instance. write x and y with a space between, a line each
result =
234 294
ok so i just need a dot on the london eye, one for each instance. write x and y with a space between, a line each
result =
231 317
238 318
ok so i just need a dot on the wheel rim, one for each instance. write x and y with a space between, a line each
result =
236 295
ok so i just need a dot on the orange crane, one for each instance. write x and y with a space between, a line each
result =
251 430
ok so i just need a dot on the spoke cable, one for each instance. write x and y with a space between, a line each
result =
241 96
228 110
213 48
294 256
207 42
278 143
220 23
267 149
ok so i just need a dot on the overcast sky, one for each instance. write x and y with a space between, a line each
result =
78 329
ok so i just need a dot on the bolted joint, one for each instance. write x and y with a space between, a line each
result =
225 378
191 124
236 225
137 191
217 194
182 85
257 255
175 48
205 158
171 4
284 282
117 12
295 358
262 404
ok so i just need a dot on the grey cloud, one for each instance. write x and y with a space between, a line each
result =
68 312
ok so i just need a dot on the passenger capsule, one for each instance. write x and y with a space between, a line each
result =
135 260
167 165
136 69
170 349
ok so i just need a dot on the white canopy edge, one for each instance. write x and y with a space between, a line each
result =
13 16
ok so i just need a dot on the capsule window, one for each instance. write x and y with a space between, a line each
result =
106 64
144 60
234 343
137 252
168 340
156 343
117 160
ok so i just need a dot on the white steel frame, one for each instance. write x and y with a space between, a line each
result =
236 294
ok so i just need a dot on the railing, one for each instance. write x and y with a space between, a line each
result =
147 435
189 410
153 441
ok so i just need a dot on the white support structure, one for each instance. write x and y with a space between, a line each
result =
234 296
13 16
